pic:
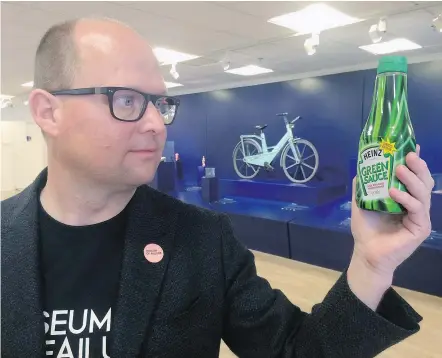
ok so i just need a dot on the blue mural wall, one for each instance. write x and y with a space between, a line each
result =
334 109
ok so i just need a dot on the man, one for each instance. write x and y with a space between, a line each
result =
97 264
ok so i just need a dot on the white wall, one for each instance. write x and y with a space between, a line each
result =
21 160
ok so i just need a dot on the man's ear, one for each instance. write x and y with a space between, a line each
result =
45 109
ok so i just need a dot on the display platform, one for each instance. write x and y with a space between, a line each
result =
330 245
318 235
210 189
302 194
259 224
165 178
436 210
436 203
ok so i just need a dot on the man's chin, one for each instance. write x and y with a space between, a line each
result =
137 179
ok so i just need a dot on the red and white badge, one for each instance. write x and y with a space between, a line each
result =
153 253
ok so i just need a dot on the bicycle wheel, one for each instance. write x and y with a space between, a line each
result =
305 169
243 169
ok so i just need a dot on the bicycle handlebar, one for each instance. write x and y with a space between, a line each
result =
284 115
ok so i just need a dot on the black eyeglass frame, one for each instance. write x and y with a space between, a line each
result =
110 91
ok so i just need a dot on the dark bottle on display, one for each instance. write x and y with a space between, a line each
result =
386 139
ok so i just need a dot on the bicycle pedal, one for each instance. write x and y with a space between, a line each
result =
268 167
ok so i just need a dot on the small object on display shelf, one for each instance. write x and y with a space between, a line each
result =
177 157
210 172
203 161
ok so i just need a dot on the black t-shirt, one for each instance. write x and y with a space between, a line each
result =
81 271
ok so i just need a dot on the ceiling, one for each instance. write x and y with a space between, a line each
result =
212 30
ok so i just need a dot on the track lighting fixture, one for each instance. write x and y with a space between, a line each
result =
378 30
226 65
174 72
311 44
225 62
437 23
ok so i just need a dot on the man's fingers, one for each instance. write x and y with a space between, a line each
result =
420 168
418 150
414 184
354 207
410 203
353 186
417 212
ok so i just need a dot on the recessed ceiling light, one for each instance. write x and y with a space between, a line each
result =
167 57
26 103
391 46
172 84
250 70
28 84
313 19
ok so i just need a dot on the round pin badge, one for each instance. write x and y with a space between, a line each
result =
153 253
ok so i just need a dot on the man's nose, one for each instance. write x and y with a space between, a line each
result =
152 121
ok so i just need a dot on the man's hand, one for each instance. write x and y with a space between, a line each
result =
384 241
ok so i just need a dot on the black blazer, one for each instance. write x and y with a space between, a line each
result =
205 289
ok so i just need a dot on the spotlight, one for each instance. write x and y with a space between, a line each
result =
378 30
374 34
311 44
174 72
225 62
226 65
437 23
382 25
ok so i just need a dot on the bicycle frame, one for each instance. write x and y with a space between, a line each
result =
269 153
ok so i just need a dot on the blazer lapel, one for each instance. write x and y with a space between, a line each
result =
141 281
22 311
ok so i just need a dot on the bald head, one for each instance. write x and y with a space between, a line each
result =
73 46
86 131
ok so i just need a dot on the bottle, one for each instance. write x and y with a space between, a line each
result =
386 139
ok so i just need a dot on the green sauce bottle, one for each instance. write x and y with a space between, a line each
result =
386 139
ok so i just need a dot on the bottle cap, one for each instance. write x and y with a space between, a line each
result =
393 64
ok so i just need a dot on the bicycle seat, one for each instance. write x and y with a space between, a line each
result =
282 114
261 128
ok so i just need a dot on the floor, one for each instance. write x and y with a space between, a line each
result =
294 279
7 194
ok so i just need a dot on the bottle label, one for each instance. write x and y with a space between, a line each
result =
375 169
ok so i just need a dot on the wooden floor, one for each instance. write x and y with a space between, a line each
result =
295 280
7 194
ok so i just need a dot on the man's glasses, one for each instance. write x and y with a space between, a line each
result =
128 104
